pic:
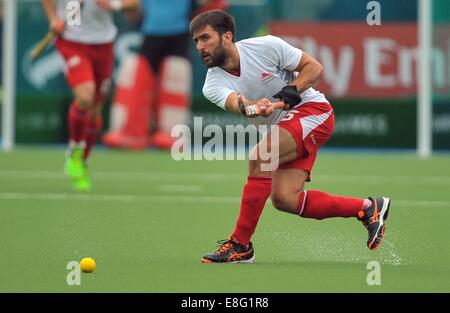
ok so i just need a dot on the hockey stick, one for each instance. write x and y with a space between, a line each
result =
42 44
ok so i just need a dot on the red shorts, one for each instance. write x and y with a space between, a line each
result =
311 125
88 63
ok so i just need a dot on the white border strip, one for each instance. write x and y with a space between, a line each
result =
9 73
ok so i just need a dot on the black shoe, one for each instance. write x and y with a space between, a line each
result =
230 251
374 219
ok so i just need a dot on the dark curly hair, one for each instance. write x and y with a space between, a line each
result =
219 20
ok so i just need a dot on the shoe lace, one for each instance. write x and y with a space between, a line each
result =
225 245
375 217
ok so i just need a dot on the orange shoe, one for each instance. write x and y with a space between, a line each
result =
230 251
161 140
373 219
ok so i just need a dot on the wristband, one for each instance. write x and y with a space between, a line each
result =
241 104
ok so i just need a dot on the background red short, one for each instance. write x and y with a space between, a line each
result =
311 125
88 62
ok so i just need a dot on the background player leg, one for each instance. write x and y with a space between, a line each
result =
78 120
93 128
102 60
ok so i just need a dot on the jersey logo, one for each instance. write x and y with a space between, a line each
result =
74 61
266 77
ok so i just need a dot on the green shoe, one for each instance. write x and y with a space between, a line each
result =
74 166
83 183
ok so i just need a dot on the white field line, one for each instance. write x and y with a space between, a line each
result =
174 198
181 188
122 198
159 176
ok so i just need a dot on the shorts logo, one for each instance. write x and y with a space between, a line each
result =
105 85
266 77
74 61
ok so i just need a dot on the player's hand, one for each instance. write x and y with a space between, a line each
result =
262 107
254 109
289 95
269 108
57 26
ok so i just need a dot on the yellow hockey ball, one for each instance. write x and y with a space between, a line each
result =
87 265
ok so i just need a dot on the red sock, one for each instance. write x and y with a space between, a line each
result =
254 197
77 122
93 128
319 205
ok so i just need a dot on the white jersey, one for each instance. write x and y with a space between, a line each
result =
96 24
267 64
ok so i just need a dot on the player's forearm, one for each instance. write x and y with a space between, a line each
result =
309 75
232 103
237 103
49 9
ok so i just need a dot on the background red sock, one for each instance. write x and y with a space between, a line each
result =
254 197
77 122
319 205
92 130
